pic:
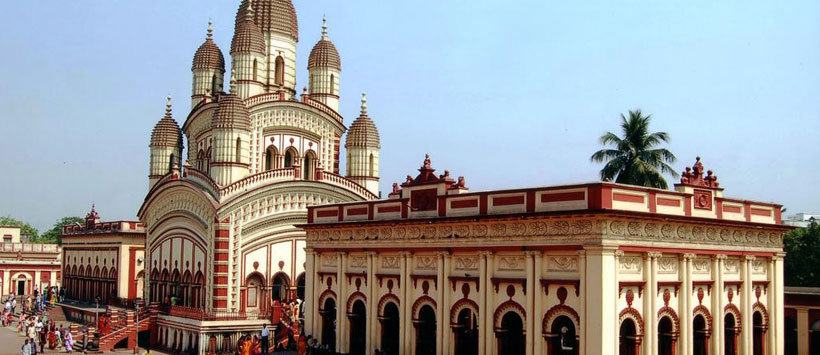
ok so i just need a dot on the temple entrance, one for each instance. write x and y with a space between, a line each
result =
563 340
253 294
666 339
466 333
390 329
628 344
21 287
426 331
730 338
328 313
300 287
511 335
358 319
701 344
758 342
279 290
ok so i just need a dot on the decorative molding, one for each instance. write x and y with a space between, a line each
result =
701 266
667 265
545 284
626 284
511 263
466 262
509 280
390 262
426 262
562 263
474 279
630 264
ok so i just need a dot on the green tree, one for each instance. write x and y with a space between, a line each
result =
635 160
802 247
52 236
25 228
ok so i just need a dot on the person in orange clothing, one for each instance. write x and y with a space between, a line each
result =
301 346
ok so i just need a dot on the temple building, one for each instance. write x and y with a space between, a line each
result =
103 261
25 267
227 187
591 268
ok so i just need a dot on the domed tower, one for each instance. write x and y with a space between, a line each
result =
208 69
324 68
280 28
363 146
166 147
248 57
231 127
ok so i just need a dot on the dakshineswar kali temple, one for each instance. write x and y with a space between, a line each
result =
221 246
593 268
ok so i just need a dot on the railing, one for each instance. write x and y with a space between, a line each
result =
262 98
345 182
265 176
203 180
322 107
27 247
203 315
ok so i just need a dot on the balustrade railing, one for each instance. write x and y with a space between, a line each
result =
204 315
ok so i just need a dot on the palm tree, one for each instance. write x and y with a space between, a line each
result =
635 160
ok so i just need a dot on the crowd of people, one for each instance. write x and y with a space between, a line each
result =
32 322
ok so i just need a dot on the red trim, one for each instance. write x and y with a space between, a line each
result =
687 206
747 211
389 209
730 209
370 211
482 204
341 213
405 208
508 200
761 212
652 202
442 206
777 215
668 202
357 211
464 203
531 201
627 198
455 249
719 208
327 213
132 277
563 196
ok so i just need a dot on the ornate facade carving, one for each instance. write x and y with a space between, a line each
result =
562 263
630 264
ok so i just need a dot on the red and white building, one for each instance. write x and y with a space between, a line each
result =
593 268
103 259
25 267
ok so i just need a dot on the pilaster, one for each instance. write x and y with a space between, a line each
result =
539 304
651 317
406 303
310 305
341 306
372 305
686 337
445 325
530 303
717 308
600 320
746 303
772 335
489 304
778 306
441 325
582 311
482 297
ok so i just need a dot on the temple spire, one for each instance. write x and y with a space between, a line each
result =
168 106
364 103
210 34
324 28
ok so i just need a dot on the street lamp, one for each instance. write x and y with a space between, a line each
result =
137 328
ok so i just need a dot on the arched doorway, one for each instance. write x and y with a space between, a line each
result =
628 338
563 341
466 333
308 161
290 158
759 335
390 329
140 284
358 323
328 313
700 335
511 335
300 287
730 338
426 331
253 293
666 337
270 158
279 290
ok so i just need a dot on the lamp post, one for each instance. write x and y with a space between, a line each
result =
137 328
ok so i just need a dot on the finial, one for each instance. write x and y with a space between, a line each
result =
168 106
210 29
364 103
324 27
233 81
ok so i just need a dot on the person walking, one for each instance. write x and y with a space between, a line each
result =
26 348
265 339
69 342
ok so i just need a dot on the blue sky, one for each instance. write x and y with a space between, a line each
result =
508 94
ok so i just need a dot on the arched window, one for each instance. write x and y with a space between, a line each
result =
390 329
171 163
270 158
308 162
254 70
238 150
200 160
300 287
466 333
371 166
213 85
328 313
279 291
511 334
279 69
730 338
358 324
666 343
207 160
563 340
628 338
290 156
759 336
332 88
701 336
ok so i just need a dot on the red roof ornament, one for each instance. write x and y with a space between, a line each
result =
693 176
427 175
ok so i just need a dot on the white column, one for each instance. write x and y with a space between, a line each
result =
406 316
448 333
489 346
686 338
772 335
600 301
802 330
372 305
582 311
652 314
529 305
341 304
618 254
746 304
647 305
778 289
483 285
441 325
717 305
310 298
539 304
